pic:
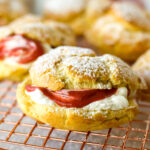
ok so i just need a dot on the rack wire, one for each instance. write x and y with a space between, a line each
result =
17 131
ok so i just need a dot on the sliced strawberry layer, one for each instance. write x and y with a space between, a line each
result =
74 98
24 49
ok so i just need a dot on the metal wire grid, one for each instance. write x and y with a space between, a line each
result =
20 131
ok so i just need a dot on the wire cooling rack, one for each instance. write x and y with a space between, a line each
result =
19 132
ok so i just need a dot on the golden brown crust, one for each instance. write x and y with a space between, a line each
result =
47 70
76 68
64 10
64 35
53 33
142 67
11 9
71 118
79 14
29 18
68 11
132 13
12 72
125 38
95 9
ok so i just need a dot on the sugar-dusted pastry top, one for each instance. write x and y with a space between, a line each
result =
112 31
69 9
132 13
29 18
64 8
49 60
52 33
75 68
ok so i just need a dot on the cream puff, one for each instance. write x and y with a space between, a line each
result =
123 31
22 44
142 67
11 9
71 88
79 14
95 9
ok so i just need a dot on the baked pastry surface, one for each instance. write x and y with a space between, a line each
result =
142 67
52 33
77 68
74 119
11 9
79 14
29 18
66 68
13 72
124 31
49 35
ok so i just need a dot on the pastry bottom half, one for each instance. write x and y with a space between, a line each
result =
73 119
11 72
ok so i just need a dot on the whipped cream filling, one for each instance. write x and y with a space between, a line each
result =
115 102
13 62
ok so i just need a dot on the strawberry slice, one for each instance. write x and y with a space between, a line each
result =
74 98
24 49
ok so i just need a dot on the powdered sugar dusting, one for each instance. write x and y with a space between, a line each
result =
48 61
112 32
64 6
34 25
120 71
69 65
91 67
74 51
50 33
132 13
38 31
29 18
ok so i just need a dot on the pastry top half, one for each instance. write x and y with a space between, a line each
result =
64 10
11 9
95 9
131 13
123 21
28 18
123 31
80 14
52 33
77 68
67 9
142 66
